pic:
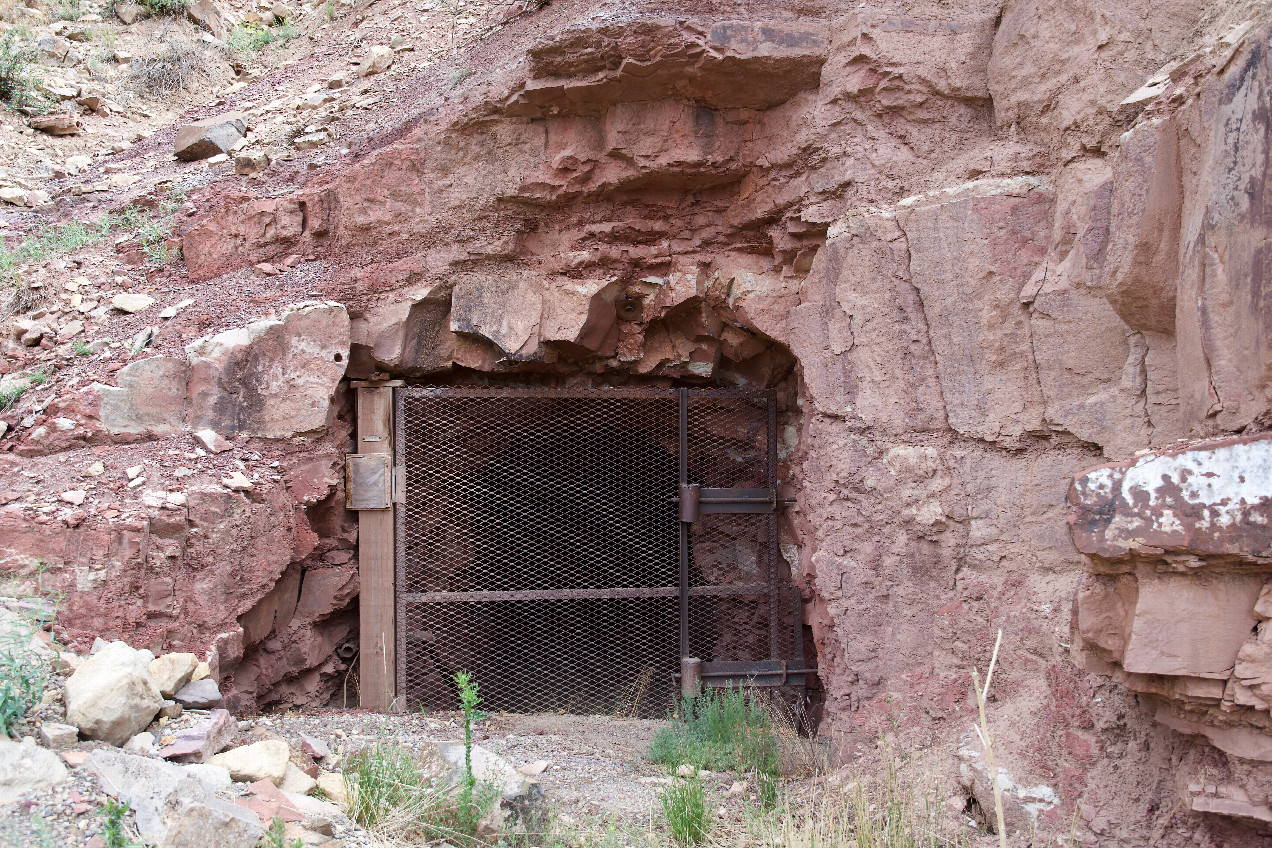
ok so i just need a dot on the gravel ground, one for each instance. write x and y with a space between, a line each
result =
596 764
596 778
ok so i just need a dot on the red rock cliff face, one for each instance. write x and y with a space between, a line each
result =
981 248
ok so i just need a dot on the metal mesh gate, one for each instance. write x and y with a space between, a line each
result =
540 544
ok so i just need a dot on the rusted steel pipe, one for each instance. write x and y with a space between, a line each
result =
690 677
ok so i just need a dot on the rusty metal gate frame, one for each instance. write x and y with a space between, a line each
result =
693 501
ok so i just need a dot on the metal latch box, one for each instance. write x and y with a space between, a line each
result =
368 481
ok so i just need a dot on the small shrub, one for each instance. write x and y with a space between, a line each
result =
329 9
723 730
16 85
899 806
154 242
684 806
81 348
171 70
172 8
113 832
23 673
11 395
241 41
66 10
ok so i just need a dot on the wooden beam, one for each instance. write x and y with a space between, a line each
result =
377 669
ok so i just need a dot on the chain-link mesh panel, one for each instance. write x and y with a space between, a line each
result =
538 544
731 444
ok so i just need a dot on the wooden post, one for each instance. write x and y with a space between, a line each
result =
377 669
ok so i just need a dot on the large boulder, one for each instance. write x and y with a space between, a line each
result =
150 397
172 671
274 377
26 767
174 807
208 822
199 694
265 760
202 740
111 696
210 15
209 137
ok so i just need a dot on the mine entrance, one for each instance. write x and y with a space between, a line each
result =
568 547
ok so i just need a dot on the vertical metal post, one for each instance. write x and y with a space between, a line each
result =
774 623
684 526
690 677
377 666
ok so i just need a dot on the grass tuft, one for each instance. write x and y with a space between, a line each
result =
11 394
248 38
684 806
723 730
398 798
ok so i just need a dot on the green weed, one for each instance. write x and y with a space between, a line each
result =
17 87
684 806
276 836
468 701
23 672
154 242
723 730
113 834
81 348
51 240
252 37
329 9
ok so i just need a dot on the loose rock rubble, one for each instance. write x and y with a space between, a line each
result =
198 778
192 777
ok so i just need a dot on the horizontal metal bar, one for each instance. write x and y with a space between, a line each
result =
581 594
618 392
788 671
675 499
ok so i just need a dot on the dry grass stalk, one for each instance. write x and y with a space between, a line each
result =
982 693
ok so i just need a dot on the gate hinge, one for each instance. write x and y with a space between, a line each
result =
698 500
399 484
